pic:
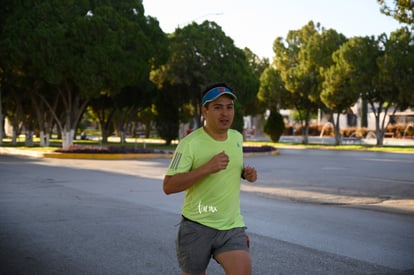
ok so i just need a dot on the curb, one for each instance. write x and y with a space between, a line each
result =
272 153
35 154
104 156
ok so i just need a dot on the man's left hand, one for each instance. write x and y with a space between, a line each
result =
250 174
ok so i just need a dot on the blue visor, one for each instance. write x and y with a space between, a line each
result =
215 93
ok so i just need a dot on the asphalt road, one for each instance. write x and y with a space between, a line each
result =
311 212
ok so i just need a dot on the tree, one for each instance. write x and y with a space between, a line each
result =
201 54
401 10
380 70
335 93
168 112
394 82
338 95
6 8
397 65
343 80
297 81
258 65
147 118
117 111
81 49
318 52
129 103
102 107
271 90
300 59
44 113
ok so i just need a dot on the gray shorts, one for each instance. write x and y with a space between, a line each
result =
196 244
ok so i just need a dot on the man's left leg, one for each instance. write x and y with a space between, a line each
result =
235 262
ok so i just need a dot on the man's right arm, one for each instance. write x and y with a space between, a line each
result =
182 181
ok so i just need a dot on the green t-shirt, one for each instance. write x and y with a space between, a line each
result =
214 201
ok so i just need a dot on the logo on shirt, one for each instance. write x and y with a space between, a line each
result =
206 208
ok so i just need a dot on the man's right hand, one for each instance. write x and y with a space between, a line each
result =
218 162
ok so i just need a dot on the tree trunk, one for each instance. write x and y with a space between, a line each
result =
44 139
104 132
197 112
104 121
378 132
74 107
122 136
364 113
29 138
337 130
306 128
67 138
15 132
380 138
43 115
14 136
1 125
148 130
306 133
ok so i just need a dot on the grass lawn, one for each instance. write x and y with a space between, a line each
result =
159 144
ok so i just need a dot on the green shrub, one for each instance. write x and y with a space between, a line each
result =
274 126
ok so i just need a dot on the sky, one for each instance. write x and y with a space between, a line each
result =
255 24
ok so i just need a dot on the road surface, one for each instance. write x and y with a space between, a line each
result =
310 212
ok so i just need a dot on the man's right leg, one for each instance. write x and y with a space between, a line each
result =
193 246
